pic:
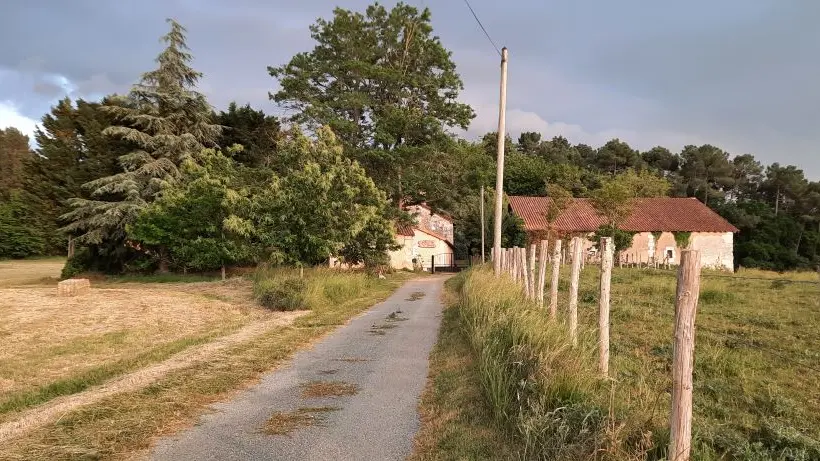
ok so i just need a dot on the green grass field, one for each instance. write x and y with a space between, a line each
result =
757 367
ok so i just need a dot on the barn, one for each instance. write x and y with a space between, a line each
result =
662 227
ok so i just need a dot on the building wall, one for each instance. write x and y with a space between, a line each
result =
716 249
431 221
403 257
422 246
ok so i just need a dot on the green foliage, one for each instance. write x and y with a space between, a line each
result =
202 224
77 264
326 202
288 288
620 238
168 122
384 84
14 153
256 132
281 293
682 239
21 234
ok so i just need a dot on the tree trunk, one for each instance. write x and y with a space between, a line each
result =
776 200
223 272
163 261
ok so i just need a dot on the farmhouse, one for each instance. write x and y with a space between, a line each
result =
430 239
661 225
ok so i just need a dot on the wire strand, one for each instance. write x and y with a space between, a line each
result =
467 2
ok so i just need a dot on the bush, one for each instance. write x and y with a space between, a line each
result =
76 264
281 293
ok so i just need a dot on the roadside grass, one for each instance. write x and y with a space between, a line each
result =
121 426
756 367
456 421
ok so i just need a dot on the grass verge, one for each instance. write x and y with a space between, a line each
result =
120 426
456 422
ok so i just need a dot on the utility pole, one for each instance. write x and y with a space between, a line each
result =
499 170
482 225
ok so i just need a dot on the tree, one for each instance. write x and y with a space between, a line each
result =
747 174
706 171
616 156
256 132
324 204
20 227
14 152
72 150
558 150
528 142
783 184
661 160
169 122
383 83
203 223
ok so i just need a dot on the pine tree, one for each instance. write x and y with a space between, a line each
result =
169 122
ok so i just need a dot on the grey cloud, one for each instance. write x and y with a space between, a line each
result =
735 73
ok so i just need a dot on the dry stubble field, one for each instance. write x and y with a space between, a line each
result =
57 346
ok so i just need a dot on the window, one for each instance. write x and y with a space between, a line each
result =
669 254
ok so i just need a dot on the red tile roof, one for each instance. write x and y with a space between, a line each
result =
648 215
405 230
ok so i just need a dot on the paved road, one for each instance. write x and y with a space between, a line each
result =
388 365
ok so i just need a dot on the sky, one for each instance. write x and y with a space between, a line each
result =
743 75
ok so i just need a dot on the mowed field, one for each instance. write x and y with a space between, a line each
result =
56 346
103 374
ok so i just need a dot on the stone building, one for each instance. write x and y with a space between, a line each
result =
662 226
429 240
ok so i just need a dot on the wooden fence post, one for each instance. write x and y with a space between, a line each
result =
516 262
603 305
511 261
556 269
525 273
683 355
433 264
542 272
575 274
532 272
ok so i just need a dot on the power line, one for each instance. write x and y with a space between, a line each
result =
482 27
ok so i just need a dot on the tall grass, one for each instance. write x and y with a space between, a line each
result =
285 288
755 397
540 387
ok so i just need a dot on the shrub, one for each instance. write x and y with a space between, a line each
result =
281 293
76 264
